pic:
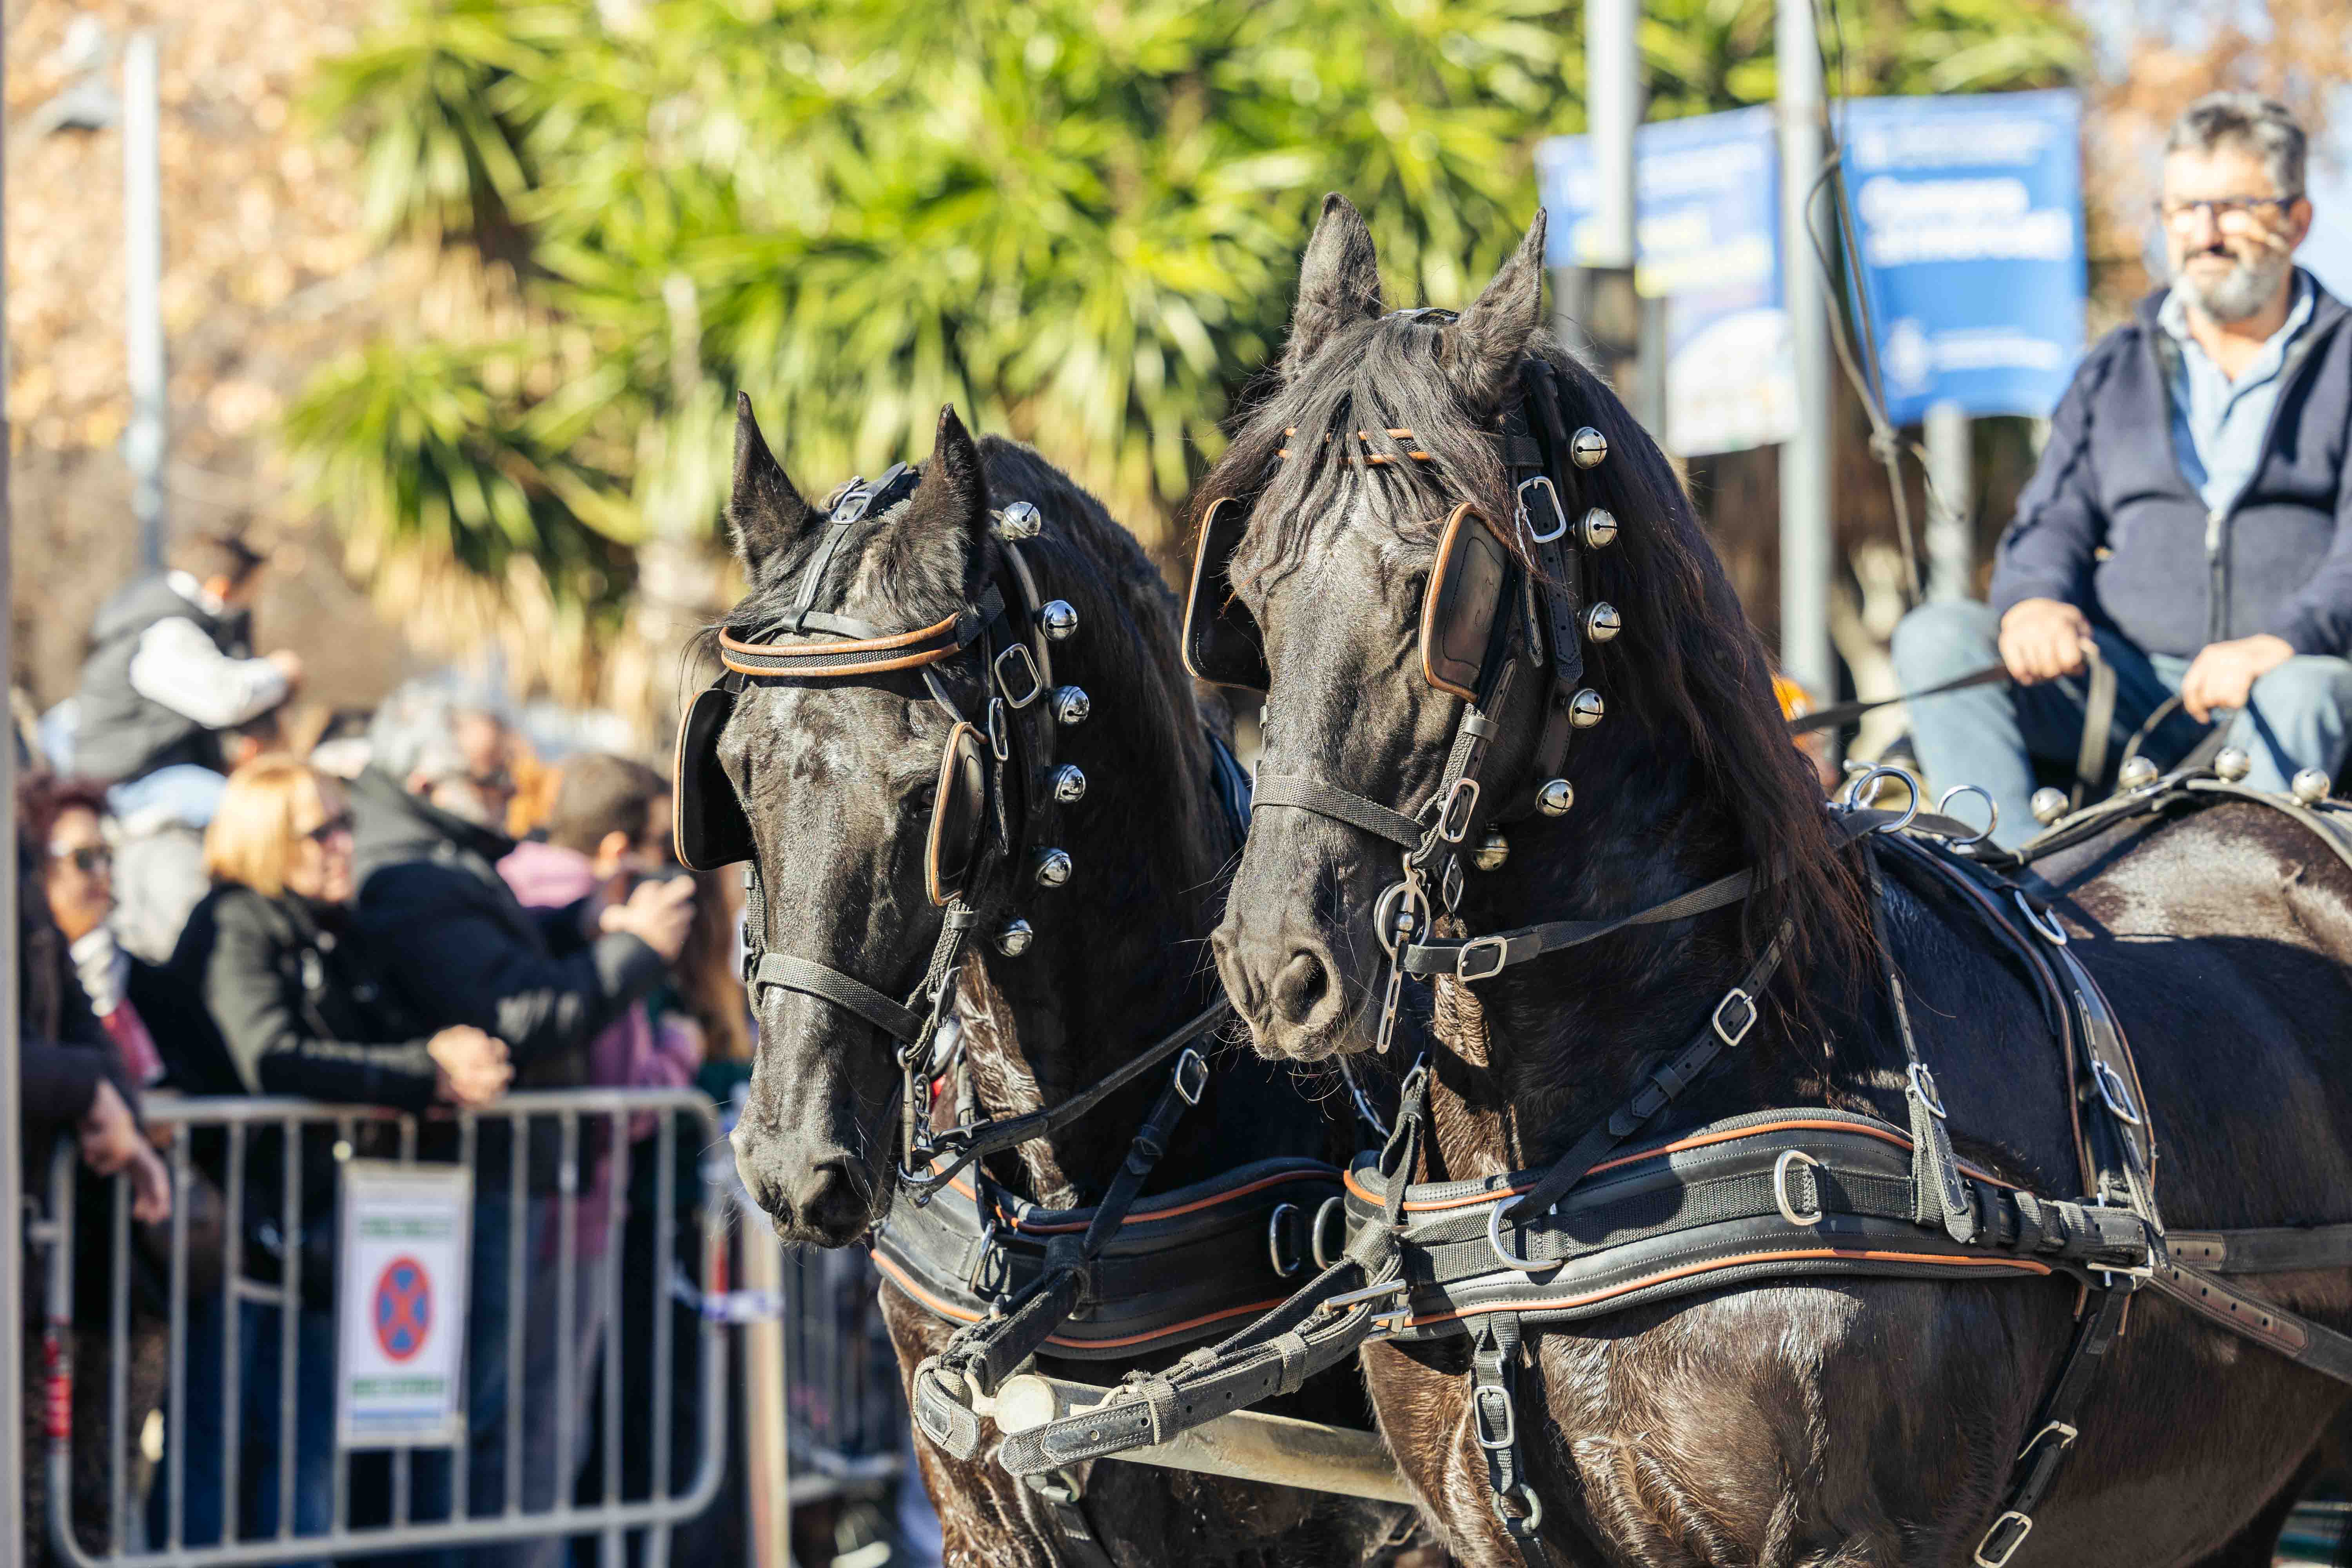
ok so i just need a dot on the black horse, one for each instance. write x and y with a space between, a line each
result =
1848 1421
836 778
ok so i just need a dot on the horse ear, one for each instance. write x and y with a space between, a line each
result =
766 513
1484 347
1339 283
938 541
953 494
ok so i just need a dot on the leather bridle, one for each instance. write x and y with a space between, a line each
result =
1001 639
1537 619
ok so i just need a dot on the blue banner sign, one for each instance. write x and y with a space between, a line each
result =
1971 211
1708 234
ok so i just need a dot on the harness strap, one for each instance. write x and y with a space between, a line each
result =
1343 806
844 991
1062 1496
1723 1031
959 1146
2044 1454
1487 955
2098 721
1318 1326
982 1355
1939 1195
1494 1421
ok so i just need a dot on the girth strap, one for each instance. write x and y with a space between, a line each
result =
2044 1454
1495 1421
844 991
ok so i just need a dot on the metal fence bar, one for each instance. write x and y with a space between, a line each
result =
518 1235
175 1438
232 1312
567 1291
288 1120
656 1549
117 1318
288 1331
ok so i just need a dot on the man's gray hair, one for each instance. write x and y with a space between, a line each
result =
413 734
2261 125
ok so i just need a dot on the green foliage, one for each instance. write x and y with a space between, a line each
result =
1079 221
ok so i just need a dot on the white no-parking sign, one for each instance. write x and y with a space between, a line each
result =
401 1305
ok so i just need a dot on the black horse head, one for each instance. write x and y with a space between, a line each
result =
1379 426
839 777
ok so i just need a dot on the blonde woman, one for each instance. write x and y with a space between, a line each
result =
303 1009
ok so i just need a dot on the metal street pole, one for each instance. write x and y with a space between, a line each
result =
1597 309
1805 526
1951 503
148 436
13 1457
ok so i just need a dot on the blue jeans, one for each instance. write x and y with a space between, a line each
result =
1991 735
203 1474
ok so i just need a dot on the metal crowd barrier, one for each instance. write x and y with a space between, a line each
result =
537 1125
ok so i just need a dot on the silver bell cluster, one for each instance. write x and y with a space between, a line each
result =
1585 709
1588 448
1052 868
1492 851
2048 804
1069 784
1014 939
1060 619
2138 773
2311 785
1071 705
2233 764
1554 796
1602 623
1596 528
1019 520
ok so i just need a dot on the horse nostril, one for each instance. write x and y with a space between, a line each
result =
829 1205
1300 989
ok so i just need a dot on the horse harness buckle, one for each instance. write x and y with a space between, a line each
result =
1732 1034
1191 1076
1997 1549
1027 666
1541 485
1497 946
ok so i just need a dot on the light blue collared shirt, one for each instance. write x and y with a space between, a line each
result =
2218 425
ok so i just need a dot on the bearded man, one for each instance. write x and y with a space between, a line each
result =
2188 519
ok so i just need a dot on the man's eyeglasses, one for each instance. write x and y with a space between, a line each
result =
341 822
88 860
2227 212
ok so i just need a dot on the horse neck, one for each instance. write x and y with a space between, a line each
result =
1117 961
1522 1070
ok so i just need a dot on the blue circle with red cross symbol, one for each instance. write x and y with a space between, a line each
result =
404 1308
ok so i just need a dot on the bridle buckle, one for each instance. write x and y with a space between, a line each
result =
1499 948
1461 805
1540 484
1191 1076
1790 1159
1028 666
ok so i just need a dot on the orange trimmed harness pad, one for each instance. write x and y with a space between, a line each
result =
1178 1270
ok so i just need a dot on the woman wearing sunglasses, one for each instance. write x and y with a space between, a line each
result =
304 1009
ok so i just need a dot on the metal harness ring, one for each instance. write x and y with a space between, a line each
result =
1851 797
1992 813
1495 1240
1790 1159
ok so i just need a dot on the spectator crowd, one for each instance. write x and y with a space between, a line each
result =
407 909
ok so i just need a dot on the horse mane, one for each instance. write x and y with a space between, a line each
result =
1689 668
